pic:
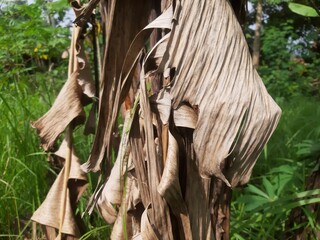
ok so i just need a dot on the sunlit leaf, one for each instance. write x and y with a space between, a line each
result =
303 10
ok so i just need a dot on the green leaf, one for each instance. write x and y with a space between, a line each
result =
257 191
303 10
253 202
282 170
269 187
311 216
298 203
237 236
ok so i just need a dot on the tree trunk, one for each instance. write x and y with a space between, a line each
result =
257 33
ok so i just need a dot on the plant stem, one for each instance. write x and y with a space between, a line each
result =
65 179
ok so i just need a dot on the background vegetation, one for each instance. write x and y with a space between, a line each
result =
33 36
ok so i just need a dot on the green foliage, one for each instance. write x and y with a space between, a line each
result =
23 169
278 185
303 10
33 45
289 67
29 47
290 49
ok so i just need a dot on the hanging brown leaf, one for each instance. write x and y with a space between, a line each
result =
199 119
49 211
214 73
68 106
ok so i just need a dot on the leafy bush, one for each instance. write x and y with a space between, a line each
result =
289 67
278 185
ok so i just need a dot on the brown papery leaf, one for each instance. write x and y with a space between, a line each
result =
126 226
112 191
158 215
214 73
76 92
66 108
194 129
169 188
119 36
49 211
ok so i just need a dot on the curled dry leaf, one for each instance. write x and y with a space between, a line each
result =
121 56
214 71
76 92
48 213
67 108
112 191
57 211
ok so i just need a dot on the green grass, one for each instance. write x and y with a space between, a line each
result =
25 174
23 167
